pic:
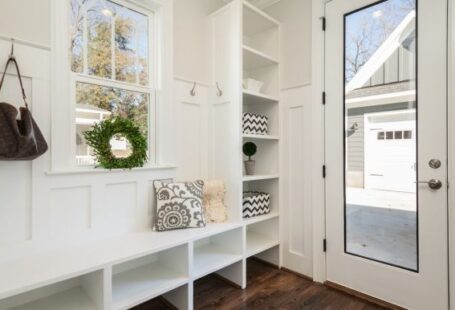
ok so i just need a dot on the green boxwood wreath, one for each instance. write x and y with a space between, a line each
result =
100 136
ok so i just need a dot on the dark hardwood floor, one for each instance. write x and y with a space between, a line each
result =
268 288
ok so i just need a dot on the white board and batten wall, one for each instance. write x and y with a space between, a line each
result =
78 221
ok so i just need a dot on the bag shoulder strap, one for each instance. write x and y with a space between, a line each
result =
11 59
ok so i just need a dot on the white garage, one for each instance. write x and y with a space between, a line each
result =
390 151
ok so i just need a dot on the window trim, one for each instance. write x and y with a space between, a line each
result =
62 107
149 89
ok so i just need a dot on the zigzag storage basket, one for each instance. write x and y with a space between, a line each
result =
255 124
255 203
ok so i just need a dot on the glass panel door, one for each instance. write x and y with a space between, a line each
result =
385 127
380 108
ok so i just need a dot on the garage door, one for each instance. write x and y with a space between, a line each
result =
390 151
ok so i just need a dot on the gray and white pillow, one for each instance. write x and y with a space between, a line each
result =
178 205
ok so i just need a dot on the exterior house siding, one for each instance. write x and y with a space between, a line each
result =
397 68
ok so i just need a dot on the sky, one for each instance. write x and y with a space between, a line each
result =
371 26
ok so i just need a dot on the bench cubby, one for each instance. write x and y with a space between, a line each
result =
139 280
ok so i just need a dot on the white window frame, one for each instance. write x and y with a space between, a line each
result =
63 90
149 89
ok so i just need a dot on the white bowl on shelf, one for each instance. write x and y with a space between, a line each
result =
253 85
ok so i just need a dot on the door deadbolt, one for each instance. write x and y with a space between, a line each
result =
434 163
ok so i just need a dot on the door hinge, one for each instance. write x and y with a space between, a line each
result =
323 97
324 22
324 245
323 171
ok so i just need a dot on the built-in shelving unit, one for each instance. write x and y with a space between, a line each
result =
124 271
260 48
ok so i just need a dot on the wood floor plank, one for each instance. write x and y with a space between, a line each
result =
268 288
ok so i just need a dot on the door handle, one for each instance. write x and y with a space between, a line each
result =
433 183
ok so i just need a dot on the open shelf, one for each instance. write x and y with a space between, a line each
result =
260 137
71 299
270 186
254 59
257 98
257 243
261 218
250 178
85 292
217 252
142 279
262 236
255 20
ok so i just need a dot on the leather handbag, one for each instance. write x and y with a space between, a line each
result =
20 139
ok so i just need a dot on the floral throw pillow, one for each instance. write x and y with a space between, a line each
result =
178 205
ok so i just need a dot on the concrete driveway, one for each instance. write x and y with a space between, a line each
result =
382 225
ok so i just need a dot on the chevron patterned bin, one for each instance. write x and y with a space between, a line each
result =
255 124
255 203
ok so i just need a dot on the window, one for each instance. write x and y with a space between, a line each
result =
398 135
111 69
407 134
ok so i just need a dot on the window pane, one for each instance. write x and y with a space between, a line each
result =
109 41
408 134
131 46
380 157
99 45
95 103
77 21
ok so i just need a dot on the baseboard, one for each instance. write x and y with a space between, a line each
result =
297 274
365 297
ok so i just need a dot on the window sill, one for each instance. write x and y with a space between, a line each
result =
92 170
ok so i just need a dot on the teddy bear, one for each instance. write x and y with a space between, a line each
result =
213 201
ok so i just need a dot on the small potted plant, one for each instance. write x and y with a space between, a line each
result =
249 149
